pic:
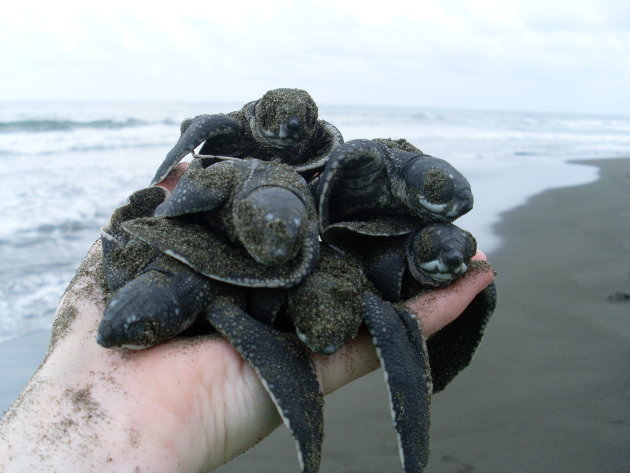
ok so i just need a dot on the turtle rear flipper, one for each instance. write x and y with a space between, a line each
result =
284 369
200 129
452 348
401 349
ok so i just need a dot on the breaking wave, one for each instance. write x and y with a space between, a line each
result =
39 126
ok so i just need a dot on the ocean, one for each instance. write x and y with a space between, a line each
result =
65 167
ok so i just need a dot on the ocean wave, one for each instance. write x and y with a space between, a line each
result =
44 125
114 147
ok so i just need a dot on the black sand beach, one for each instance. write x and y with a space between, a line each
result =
549 390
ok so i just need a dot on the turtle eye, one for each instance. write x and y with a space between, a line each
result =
266 116
143 333
426 244
438 186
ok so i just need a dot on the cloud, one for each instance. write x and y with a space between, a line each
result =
479 54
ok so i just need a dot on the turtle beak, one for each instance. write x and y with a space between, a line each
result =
463 204
290 130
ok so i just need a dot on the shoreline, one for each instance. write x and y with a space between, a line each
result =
19 358
548 388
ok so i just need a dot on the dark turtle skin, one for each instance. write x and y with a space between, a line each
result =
326 307
379 188
155 298
327 310
434 256
236 249
245 222
402 266
167 296
282 126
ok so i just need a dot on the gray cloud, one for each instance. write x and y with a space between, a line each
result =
483 54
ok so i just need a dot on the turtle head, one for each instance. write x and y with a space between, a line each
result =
435 190
284 118
125 328
439 253
142 313
270 222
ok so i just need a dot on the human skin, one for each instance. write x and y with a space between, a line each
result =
188 405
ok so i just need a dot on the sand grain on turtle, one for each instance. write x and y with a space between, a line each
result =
282 267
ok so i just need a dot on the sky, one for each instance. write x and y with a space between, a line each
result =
531 55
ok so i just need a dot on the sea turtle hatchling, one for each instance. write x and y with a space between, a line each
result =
212 251
433 256
401 266
156 297
327 309
282 125
246 222
384 188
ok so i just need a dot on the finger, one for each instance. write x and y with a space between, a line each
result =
438 308
173 177
480 256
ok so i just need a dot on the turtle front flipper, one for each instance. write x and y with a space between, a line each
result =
285 371
160 303
353 180
384 264
202 188
200 129
325 139
452 348
400 347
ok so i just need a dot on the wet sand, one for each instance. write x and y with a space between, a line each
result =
549 389
19 359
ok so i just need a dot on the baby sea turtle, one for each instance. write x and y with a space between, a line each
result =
433 256
401 266
246 222
156 297
327 309
282 125
380 188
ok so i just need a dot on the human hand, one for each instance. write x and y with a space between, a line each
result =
187 405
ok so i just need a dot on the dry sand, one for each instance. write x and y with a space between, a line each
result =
549 390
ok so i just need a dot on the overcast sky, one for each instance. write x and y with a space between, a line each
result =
547 55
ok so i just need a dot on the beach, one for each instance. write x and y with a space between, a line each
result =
549 388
